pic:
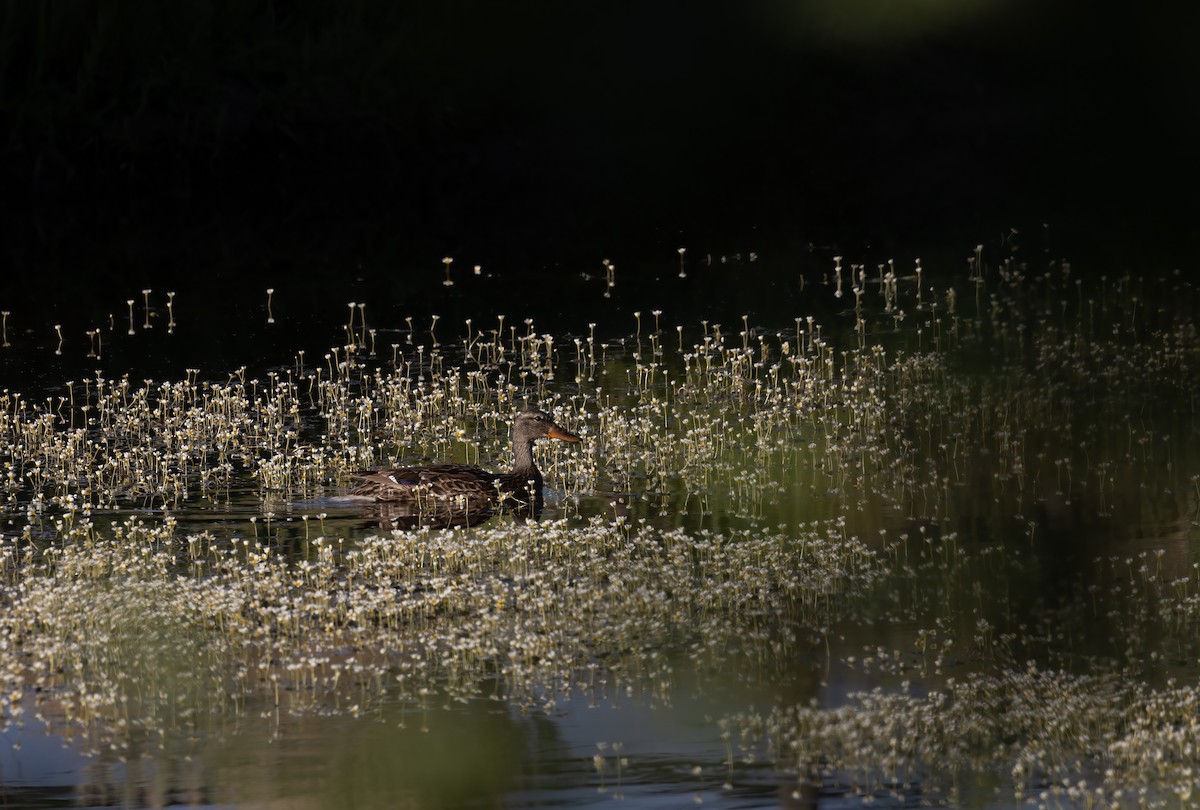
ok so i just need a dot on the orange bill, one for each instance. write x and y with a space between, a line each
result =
558 433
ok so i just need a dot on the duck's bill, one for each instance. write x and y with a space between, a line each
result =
558 433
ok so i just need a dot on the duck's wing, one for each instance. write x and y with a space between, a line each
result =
446 481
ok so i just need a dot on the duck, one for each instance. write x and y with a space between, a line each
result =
444 492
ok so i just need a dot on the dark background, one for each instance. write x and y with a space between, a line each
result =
150 143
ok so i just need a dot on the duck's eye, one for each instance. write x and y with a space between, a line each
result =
540 418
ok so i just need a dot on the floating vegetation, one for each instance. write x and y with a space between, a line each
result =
1085 727
918 519
527 614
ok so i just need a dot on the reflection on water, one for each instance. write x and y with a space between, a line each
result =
947 526
440 516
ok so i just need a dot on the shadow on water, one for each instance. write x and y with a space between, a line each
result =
215 152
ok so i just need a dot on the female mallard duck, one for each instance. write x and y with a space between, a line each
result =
442 489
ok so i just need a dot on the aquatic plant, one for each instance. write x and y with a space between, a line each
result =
744 501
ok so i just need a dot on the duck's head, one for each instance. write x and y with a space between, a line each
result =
533 424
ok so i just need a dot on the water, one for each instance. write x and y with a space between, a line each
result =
987 515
